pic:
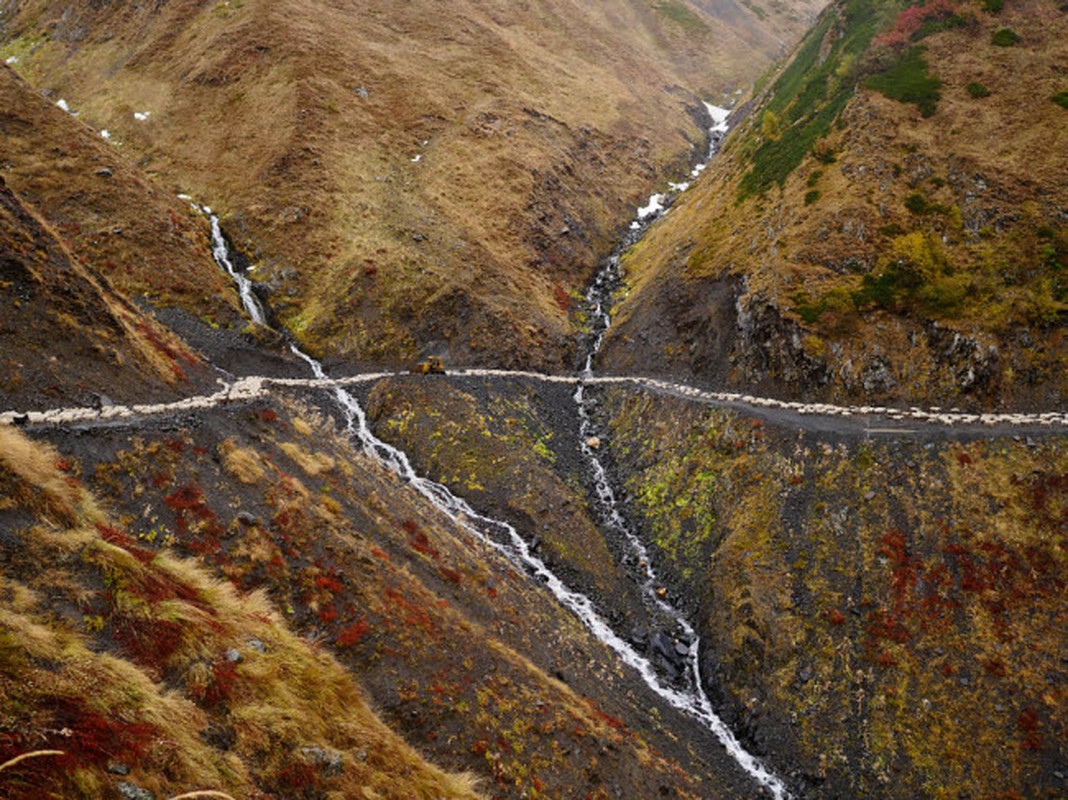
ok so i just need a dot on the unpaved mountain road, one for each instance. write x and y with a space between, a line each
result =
814 417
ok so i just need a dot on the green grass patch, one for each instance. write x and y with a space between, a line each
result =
760 13
993 6
908 81
810 93
1061 99
977 90
682 15
812 196
1004 37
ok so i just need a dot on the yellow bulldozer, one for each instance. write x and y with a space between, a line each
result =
431 366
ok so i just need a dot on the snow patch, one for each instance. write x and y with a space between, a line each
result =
417 158
105 134
63 105
719 117
12 60
142 116
654 206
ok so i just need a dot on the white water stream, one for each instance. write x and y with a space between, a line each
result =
506 539
599 308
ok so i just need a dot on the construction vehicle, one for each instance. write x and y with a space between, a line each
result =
431 366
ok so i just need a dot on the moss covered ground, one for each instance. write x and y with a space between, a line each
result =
888 613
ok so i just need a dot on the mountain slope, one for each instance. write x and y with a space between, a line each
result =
888 225
410 176
460 650
148 676
62 330
884 614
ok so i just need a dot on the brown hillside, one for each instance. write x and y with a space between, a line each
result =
462 653
537 128
905 257
140 238
149 676
65 334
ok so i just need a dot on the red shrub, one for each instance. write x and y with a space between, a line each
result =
224 676
451 575
562 298
353 634
330 583
421 543
1028 724
149 643
909 22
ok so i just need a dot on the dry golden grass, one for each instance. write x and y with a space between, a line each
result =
313 463
242 463
162 615
301 119
993 173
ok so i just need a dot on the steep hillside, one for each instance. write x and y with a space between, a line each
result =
890 223
461 652
885 615
64 334
410 176
82 236
140 238
139 675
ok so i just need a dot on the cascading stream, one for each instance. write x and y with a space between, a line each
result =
504 537
599 305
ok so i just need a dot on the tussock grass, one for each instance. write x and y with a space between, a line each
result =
132 616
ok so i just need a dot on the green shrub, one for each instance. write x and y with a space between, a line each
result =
993 6
810 93
812 197
917 204
814 178
1004 37
977 90
907 81
1061 99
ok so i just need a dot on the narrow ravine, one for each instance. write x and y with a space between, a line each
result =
676 644
504 537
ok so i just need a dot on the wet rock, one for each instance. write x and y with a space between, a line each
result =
257 645
639 637
117 768
681 649
233 655
806 674
131 791
245 518
104 172
101 401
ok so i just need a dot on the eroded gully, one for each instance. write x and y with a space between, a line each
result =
681 687
671 640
